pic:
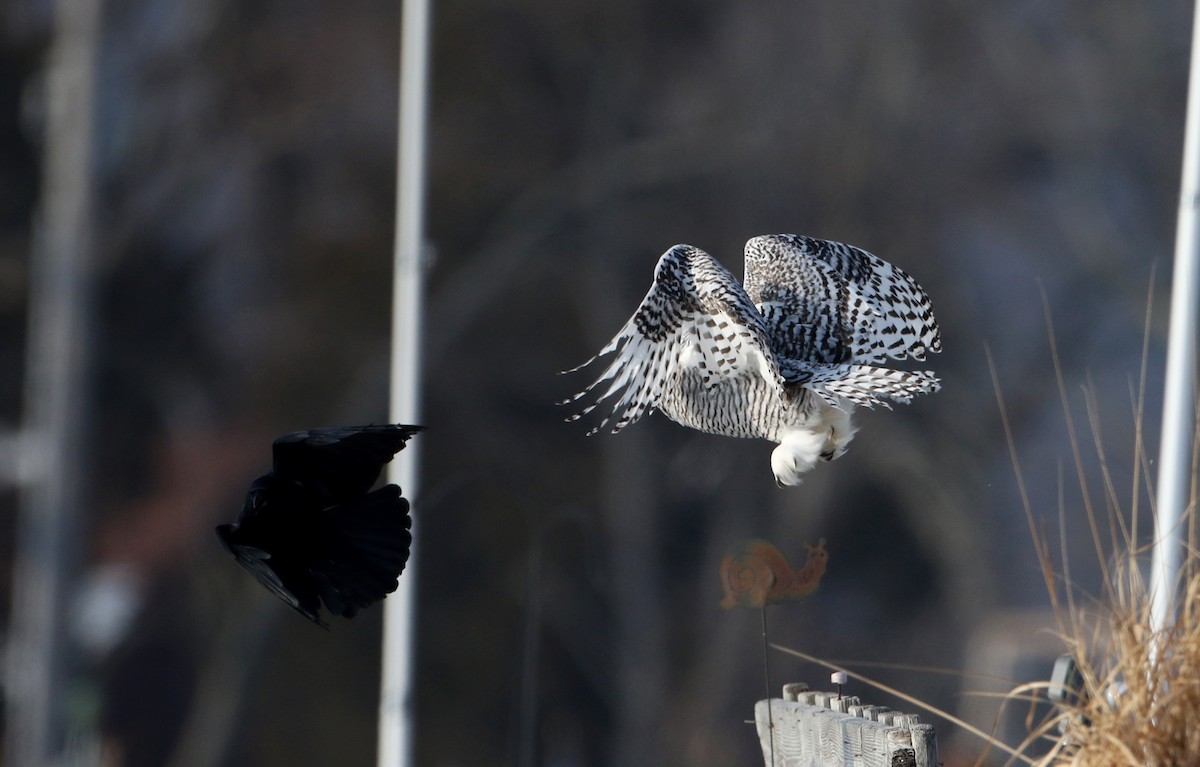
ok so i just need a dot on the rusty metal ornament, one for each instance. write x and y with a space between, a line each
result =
755 573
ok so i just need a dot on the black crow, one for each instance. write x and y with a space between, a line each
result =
312 530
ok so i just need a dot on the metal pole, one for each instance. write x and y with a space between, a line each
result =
54 428
1179 416
396 740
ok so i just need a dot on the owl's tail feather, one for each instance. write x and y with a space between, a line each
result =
867 385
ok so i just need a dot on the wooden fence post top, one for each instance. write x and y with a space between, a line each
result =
823 729
792 691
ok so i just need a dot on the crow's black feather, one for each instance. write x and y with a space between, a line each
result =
338 464
312 530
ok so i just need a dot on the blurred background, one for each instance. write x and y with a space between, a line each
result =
240 255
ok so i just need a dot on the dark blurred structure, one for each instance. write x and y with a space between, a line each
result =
244 166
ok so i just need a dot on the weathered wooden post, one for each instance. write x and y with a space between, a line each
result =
827 729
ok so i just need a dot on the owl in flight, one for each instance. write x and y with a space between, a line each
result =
785 356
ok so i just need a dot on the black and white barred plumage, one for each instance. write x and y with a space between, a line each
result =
784 356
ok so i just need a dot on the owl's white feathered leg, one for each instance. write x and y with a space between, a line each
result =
825 438
798 452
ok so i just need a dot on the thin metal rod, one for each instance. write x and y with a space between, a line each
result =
526 745
54 426
767 679
1179 416
396 717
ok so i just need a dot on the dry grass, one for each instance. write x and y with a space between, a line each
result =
1138 700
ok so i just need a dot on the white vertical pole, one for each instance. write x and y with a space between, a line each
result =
54 419
396 741
1179 416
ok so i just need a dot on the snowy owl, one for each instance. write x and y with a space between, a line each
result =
785 356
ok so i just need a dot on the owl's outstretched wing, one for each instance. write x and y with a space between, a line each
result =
695 315
827 302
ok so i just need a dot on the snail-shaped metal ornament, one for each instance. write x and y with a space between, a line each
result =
755 574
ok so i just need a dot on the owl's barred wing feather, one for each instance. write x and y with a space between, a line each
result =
865 385
802 302
695 315
830 302
640 366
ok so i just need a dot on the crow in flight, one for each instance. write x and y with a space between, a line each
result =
312 530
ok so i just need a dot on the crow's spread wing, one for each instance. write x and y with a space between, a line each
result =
300 595
339 464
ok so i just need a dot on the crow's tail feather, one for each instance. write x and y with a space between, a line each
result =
369 541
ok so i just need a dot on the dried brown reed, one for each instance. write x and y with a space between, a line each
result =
1137 697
